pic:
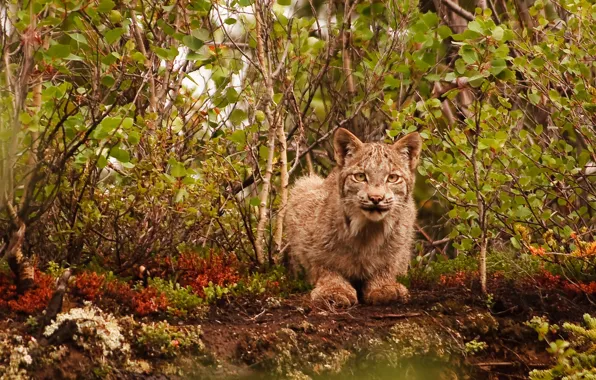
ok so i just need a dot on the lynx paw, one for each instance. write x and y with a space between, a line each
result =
334 295
386 293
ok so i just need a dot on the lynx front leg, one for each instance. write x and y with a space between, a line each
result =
384 289
332 290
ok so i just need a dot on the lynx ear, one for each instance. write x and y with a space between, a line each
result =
345 144
410 145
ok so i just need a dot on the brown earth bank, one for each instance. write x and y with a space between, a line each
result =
440 334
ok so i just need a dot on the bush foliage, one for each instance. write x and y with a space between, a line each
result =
151 133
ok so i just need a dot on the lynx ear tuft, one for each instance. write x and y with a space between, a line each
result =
345 144
410 145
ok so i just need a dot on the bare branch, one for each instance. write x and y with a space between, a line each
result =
458 9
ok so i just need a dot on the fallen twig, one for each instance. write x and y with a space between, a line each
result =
495 364
396 316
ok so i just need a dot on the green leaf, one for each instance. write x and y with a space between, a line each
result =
534 98
430 19
137 56
110 59
278 96
475 232
444 31
232 95
484 143
120 154
237 116
113 35
497 65
127 123
165 53
58 51
102 162
476 80
263 152
238 137
468 54
515 242
498 33
106 6
134 137
504 102
167 28
108 80
192 42
180 195
177 170
284 2
72 57
475 26
106 127
78 38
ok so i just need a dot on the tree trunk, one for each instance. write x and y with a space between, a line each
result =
19 264
482 264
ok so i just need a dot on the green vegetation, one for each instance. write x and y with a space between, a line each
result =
162 339
575 357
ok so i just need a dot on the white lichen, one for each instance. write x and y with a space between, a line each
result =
92 323
15 356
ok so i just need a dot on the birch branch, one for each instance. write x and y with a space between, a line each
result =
458 9
271 135
141 46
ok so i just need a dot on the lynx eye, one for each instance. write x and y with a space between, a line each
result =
359 177
393 178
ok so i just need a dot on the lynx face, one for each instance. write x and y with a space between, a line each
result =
376 178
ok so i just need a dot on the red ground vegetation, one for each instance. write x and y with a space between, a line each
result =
197 272
33 300
189 268
551 281
88 285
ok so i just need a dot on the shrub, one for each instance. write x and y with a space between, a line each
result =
273 282
161 339
181 300
455 272
576 358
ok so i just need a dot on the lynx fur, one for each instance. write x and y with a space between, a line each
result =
355 228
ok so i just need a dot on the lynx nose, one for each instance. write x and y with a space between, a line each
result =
376 198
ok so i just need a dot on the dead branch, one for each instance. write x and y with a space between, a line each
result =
55 304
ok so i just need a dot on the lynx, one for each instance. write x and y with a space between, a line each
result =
354 229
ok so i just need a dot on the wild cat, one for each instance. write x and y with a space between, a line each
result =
357 225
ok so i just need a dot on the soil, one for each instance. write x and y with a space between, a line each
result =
268 338
246 333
